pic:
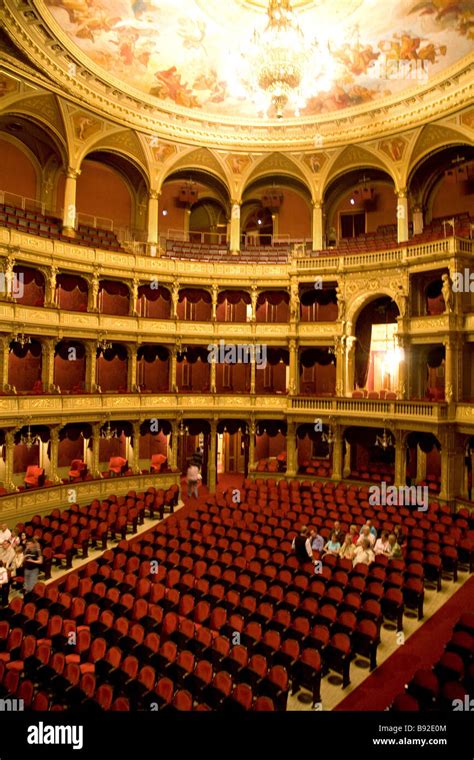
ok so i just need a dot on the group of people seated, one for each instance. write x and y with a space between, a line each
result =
359 546
20 558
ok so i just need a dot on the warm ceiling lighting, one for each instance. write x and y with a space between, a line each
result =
283 67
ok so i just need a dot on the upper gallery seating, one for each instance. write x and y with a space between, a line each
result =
445 226
35 223
167 637
212 252
451 677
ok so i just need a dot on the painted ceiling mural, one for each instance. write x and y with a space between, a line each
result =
189 52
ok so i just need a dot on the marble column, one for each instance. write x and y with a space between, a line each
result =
69 203
318 226
152 217
402 216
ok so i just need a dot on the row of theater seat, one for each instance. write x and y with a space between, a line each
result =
69 534
451 677
42 225
219 573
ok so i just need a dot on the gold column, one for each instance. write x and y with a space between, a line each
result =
132 368
420 465
452 464
337 458
152 217
318 226
91 366
173 449
349 363
291 463
95 449
133 308
172 370
212 466
213 375
54 453
339 351
214 294
234 242
253 368
293 373
69 205
402 391
346 471
400 473
402 216
453 369
252 431
136 447
4 358
47 363
9 451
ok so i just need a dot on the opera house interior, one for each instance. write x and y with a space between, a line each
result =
236 355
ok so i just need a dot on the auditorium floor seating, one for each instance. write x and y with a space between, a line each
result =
155 618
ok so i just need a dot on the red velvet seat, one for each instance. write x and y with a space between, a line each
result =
117 466
34 477
78 470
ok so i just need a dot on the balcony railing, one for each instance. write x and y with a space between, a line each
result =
370 407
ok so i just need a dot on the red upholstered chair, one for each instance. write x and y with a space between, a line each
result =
34 477
117 466
78 470
157 462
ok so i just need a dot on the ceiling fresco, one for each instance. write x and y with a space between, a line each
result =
189 53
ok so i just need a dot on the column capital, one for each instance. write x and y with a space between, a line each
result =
153 195
72 173
402 192
317 204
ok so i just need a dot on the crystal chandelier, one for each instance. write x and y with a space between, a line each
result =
107 433
22 339
29 440
384 441
328 437
103 344
282 67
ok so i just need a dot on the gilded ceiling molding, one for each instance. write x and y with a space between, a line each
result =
81 81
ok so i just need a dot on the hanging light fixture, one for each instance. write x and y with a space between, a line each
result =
328 437
281 66
103 344
182 428
29 440
107 433
384 441
22 339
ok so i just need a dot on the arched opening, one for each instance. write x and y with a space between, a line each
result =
270 446
194 305
318 304
193 370
276 211
273 306
314 453
361 211
115 448
70 366
154 302
441 186
194 207
233 306
377 355
370 454
111 369
154 445
114 298
28 288
317 372
424 461
71 292
153 368
232 446
74 464
25 365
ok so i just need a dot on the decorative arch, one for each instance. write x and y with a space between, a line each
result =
432 137
276 163
201 159
123 143
354 157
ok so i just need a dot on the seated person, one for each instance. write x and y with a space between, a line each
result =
339 532
400 534
363 553
354 534
395 548
302 546
317 541
366 534
382 545
333 546
371 528
348 548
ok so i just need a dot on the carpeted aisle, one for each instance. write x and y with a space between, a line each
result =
421 650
